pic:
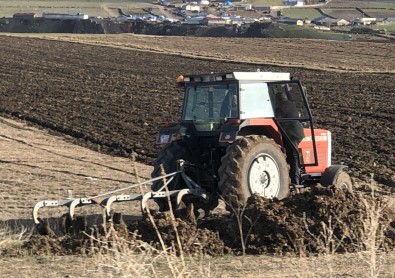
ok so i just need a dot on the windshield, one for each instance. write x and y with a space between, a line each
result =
210 102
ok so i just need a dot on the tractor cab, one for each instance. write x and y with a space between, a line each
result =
231 105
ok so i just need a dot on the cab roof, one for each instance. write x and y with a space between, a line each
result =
262 76
238 75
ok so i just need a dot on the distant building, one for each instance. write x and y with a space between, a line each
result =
242 20
298 3
196 20
286 20
262 8
242 7
325 21
163 2
228 3
76 16
342 22
214 20
367 20
322 28
24 16
204 2
191 8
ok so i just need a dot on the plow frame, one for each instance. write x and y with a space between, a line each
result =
106 200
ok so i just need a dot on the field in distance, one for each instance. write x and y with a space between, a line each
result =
306 53
92 8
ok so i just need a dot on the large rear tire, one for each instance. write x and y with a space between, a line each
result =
253 165
168 157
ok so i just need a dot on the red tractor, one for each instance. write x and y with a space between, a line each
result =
243 133
240 133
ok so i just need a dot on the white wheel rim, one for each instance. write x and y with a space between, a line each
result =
264 176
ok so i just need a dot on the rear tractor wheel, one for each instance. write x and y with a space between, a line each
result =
253 165
168 157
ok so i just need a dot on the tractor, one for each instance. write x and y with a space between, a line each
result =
240 133
234 139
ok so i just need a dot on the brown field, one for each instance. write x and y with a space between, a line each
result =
302 53
111 94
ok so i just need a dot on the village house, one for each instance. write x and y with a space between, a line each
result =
297 3
24 16
203 2
366 21
243 7
195 20
214 20
342 22
324 21
262 8
191 7
286 20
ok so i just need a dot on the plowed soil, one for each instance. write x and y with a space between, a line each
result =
321 221
114 100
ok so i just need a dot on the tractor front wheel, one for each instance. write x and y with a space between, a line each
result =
336 176
343 181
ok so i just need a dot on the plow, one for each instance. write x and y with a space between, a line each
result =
240 134
107 199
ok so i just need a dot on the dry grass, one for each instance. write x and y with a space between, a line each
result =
126 262
9 239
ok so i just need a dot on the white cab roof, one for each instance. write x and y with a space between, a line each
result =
262 76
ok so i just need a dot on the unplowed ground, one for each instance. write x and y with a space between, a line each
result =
114 100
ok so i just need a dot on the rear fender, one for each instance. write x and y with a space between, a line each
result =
168 134
265 127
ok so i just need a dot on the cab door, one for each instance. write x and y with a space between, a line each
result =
293 117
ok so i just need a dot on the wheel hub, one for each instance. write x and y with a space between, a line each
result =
264 176
265 179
